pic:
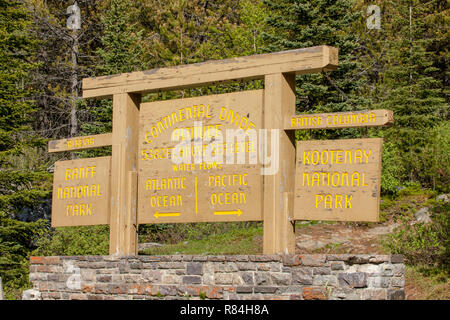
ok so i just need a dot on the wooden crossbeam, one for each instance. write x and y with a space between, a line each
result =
79 143
298 61
336 120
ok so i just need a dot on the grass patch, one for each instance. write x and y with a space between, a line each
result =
427 284
237 241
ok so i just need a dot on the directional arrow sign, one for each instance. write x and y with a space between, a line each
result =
238 212
166 214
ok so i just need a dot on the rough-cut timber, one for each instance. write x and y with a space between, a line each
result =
336 120
79 143
299 61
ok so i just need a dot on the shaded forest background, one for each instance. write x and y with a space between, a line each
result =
402 66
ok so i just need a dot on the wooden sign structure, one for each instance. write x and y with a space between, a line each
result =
146 186
338 180
81 192
203 191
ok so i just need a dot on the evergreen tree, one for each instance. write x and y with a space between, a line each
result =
411 82
24 182
121 51
303 23
21 178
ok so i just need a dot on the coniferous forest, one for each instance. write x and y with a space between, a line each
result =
400 64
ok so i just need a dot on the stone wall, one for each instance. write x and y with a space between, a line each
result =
302 277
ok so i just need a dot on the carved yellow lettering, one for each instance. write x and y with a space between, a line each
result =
305 175
319 199
316 154
328 201
338 201
348 203
355 179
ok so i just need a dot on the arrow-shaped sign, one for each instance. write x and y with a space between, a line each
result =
219 213
166 214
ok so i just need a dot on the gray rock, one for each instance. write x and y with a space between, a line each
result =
443 197
148 245
311 244
396 294
192 280
353 280
31 294
302 276
423 215
194 268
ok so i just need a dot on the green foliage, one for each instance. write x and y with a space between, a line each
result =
391 170
16 49
300 24
432 161
121 51
411 86
178 232
72 241
235 241
422 244
20 185
17 239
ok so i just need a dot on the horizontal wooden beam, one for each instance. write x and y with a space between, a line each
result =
368 118
299 61
78 143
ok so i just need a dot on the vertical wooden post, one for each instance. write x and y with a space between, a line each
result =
122 221
279 102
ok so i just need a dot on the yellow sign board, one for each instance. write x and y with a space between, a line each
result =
79 143
206 186
369 118
81 191
338 180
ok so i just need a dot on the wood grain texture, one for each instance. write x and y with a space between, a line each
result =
299 61
336 120
279 102
338 180
81 191
204 191
79 143
124 160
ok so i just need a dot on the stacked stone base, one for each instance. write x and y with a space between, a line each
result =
236 277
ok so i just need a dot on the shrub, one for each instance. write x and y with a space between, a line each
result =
391 169
72 241
424 244
16 243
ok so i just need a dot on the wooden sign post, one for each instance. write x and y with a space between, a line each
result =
158 172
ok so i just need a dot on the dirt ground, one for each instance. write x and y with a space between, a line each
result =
341 238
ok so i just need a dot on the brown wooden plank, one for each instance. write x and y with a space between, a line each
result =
199 192
81 191
130 230
338 180
124 160
367 118
299 61
279 102
79 143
